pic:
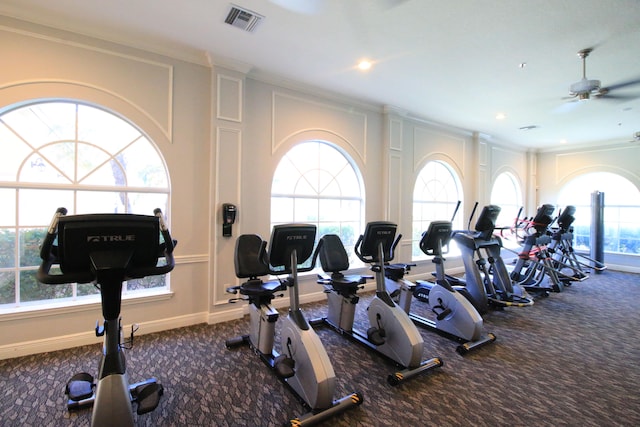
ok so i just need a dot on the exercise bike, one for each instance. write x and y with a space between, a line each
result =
391 334
107 249
303 365
455 317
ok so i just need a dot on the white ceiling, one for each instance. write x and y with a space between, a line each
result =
452 62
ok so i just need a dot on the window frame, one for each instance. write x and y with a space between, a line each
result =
75 190
448 205
581 226
355 223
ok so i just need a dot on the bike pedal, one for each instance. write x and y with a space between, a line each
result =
80 387
376 335
148 397
284 366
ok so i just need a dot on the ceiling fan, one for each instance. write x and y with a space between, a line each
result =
583 89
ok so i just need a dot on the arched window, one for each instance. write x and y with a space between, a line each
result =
73 155
435 196
506 194
315 183
621 211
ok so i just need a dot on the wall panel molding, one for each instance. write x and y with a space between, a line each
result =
293 116
229 100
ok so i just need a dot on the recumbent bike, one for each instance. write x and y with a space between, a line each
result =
391 333
455 317
303 364
106 250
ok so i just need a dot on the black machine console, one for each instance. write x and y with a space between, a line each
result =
287 239
376 233
436 238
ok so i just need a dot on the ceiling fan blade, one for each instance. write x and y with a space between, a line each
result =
611 96
623 84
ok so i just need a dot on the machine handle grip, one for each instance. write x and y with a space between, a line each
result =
169 242
52 231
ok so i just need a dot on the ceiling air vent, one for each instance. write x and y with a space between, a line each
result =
243 18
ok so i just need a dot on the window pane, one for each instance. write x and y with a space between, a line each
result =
37 207
281 210
30 241
7 248
39 169
90 157
32 290
8 211
42 123
142 165
306 210
307 185
104 129
85 289
146 203
15 150
7 287
148 282
101 202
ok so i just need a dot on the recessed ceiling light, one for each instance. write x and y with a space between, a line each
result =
501 116
364 65
563 141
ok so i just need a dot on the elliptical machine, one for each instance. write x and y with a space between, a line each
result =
486 286
107 249
303 365
391 333
538 275
455 316
562 250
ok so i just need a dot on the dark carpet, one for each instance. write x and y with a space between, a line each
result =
572 359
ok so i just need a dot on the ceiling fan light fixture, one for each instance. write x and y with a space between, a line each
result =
585 86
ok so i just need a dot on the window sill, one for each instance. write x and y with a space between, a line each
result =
84 304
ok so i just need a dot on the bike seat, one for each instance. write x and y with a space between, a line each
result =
346 284
334 259
256 287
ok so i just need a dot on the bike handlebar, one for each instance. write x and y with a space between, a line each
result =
50 257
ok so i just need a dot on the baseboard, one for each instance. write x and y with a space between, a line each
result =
63 342
621 268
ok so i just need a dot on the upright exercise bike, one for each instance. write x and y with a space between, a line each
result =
391 333
107 249
303 363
